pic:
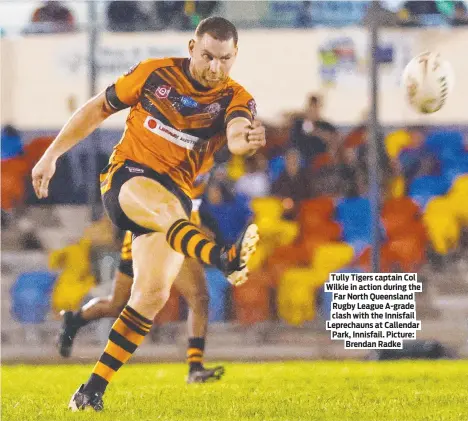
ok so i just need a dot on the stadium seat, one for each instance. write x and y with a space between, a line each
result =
395 142
252 300
397 214
353 209
296 295
326 297
425 187
266 208
442 228
30 296
75 279
13 176
235 167
276 166
460 185
316 210
218 287
439 141
454 168
408 252
35 149
331 257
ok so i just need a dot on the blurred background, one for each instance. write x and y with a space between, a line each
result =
308 65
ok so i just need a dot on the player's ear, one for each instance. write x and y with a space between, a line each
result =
191 46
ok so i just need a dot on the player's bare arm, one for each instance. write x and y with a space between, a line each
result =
81 124
244 137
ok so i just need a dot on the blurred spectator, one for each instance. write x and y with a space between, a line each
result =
421 7
460 16
230 212
383 16
57 17
311 134
293 185
125 16
171 14
304 15
11 142
255 181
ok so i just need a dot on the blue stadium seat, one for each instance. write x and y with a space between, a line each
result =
30 296
276 167
424 188
444 142
218 288
455 167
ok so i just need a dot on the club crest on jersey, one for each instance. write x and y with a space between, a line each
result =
213 109
188 102
252 107
162 91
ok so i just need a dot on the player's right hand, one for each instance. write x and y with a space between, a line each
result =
41 175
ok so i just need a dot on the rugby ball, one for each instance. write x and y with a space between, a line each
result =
427 82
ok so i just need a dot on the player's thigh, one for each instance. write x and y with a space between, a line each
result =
149 204
191 281
155 266
121 288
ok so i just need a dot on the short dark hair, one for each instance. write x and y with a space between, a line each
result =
218 27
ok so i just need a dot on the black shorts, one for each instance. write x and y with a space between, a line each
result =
115 175
126 267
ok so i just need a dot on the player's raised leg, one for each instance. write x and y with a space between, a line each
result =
136 199
153 279
191 284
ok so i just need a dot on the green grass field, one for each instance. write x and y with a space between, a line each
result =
264 391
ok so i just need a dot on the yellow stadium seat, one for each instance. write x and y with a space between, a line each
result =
459 208
296 296
438 205
332 256
267 208
396 141
235 167
443 230
76 278
460 186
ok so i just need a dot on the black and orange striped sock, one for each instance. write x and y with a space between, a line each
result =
196 347
186 238
126 335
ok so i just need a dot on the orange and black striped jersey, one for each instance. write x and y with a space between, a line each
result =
175 126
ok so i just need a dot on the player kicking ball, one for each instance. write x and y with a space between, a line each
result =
182 111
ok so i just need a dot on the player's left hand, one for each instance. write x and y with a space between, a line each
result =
256 135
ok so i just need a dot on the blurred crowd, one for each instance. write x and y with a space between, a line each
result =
128 16
308 192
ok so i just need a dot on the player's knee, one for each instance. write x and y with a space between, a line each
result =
154 297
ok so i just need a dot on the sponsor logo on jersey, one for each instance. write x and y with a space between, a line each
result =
213 109
177 137
188 102
162 91
135 170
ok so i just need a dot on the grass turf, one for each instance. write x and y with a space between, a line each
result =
264 391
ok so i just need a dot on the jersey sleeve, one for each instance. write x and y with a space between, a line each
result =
242 105
126 90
